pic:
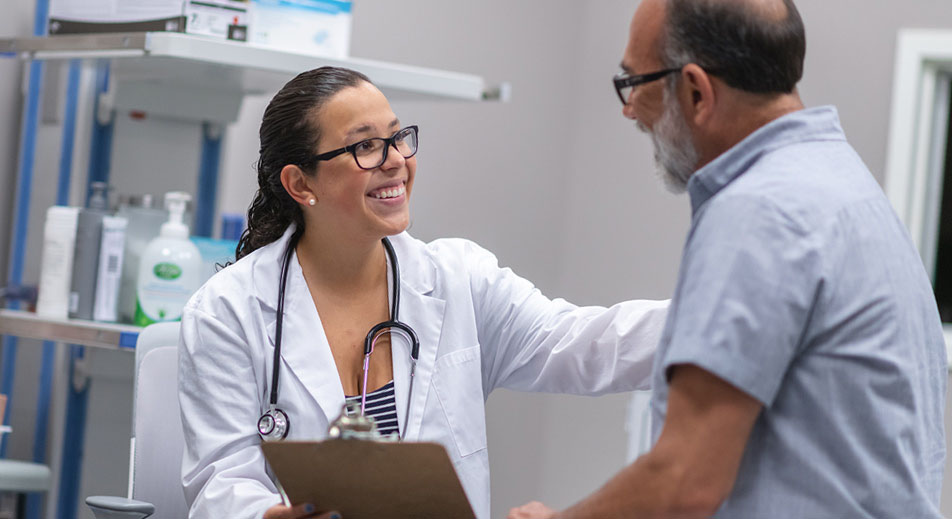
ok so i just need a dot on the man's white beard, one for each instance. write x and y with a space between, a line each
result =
674 151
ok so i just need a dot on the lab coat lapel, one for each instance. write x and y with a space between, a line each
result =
304 347
424 313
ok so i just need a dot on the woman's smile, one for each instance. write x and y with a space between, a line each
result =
393 193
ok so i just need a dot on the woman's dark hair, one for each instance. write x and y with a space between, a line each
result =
289 135
745 45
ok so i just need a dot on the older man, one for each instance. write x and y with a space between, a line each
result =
802 370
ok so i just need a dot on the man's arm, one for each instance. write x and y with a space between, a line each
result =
693 466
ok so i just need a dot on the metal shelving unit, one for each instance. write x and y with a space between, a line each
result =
175 75
73 331
197 63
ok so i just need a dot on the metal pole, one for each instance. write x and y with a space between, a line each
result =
76 405
208 179
78 394
34 503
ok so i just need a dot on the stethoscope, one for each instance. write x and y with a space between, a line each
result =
274 424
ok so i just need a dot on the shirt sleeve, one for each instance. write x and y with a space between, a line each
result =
223 468
749 278
533 343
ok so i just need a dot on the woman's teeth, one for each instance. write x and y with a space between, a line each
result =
390 193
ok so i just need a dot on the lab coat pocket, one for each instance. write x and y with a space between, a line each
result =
459 386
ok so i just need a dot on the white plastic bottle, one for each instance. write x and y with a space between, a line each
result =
110 269
170 268
59 238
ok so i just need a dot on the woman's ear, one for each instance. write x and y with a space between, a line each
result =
700 98
295 182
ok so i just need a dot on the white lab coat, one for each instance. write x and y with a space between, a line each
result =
480 327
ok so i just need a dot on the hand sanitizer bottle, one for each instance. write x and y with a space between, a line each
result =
170 268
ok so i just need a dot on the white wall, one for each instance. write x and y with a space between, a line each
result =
556 182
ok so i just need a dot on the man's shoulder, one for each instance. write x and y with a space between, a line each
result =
804 184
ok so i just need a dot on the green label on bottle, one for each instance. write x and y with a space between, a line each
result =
167 271
141 319
144 319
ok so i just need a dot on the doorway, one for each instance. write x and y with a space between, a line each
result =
942 278
919 155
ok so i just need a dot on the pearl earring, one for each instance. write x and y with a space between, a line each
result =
312 201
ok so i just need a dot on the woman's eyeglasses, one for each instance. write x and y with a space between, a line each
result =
371 153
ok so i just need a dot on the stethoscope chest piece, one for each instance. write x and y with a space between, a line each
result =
273 425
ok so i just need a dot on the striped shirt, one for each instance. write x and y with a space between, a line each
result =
382 407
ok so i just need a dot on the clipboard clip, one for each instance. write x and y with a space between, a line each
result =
352 425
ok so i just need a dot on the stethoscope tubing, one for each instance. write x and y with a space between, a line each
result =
276 365
393 325
375 333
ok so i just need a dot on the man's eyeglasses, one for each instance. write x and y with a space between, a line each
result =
626 83
371 153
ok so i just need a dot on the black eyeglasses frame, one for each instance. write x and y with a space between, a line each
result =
389 141
624 80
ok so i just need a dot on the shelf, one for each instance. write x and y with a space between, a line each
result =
72 331
199 63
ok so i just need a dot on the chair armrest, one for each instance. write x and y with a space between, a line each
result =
110 507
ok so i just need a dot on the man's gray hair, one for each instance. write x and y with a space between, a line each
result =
755 48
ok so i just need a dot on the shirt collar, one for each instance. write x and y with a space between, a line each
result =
812 124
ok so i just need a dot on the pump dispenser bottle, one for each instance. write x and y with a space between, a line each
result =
170 268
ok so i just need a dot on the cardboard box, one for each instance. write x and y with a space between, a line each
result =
319 27
223 19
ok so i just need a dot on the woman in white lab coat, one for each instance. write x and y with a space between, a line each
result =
479 326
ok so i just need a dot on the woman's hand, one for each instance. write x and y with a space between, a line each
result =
532 510
298 512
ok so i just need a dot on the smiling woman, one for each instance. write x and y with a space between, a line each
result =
349 186
318 267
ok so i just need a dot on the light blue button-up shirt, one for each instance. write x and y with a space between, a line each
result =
800 286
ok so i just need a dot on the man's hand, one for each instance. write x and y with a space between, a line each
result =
532 510
305 511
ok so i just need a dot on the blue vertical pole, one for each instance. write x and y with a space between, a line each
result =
73 439
77 399
69 134
208 179
21 214
100 152
34 503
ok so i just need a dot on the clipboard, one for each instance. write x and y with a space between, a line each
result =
364 479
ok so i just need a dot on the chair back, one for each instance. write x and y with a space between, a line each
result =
157 437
